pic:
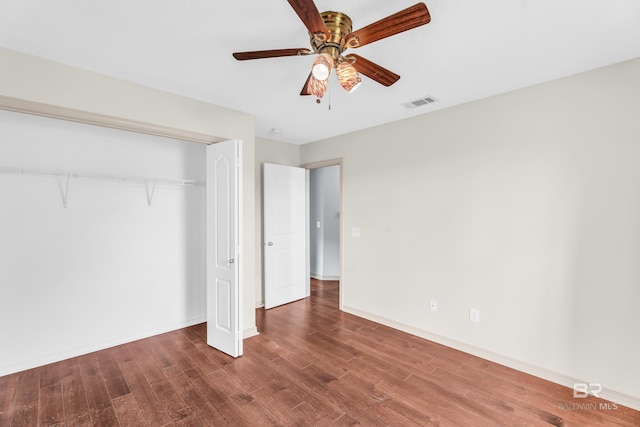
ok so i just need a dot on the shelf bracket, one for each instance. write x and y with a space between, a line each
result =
63 182
151 189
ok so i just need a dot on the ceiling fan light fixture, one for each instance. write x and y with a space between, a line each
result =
322 66
348 76
317 87
331 33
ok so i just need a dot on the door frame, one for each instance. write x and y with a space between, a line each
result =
318 165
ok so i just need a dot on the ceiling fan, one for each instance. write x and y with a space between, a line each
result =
331 35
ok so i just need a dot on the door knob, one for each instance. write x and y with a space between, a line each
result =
231 261
269 243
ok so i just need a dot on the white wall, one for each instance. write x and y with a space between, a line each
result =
28 83
109 268
325 211
525 206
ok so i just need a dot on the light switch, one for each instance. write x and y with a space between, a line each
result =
355 232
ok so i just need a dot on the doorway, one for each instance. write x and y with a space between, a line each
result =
324 222
283 195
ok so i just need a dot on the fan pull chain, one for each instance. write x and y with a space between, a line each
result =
329 90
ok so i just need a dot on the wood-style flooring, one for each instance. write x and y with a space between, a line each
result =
310 365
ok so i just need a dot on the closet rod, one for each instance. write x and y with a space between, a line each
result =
141 180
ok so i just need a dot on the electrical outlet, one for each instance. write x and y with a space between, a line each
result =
474 315
433 305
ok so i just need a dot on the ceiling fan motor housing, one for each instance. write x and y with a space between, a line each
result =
339 26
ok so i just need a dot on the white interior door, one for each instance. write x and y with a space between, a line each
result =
224 283
285 234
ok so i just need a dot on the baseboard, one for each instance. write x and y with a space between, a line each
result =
321 277
45 359
250 332
540 372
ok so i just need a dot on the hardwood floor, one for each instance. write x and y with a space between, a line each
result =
310 365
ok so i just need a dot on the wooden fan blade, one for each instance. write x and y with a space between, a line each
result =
259 54
305 88
373 70
309 15
404 20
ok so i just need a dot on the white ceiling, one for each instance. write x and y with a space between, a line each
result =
471 49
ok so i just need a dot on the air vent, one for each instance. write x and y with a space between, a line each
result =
420 102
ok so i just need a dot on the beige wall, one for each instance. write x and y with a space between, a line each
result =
525 206
30 83
280 153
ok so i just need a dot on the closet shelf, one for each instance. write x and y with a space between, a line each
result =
132 179
65 178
